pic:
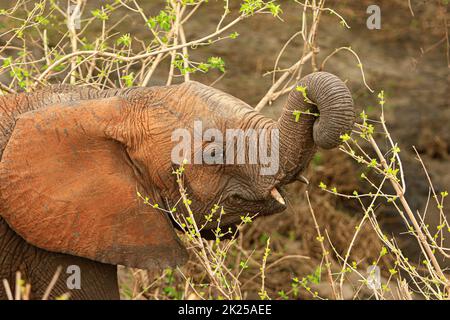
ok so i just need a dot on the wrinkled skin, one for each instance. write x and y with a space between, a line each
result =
37 266
73 159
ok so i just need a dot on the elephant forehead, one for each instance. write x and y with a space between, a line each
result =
216 102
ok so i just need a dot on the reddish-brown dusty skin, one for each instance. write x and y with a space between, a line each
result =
73 161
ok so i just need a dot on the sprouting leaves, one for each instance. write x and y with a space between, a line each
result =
345 137
283 295
100 14
302 90
246 219
367 131
243 265
363 116
315 276
263 292
373 163
381 98
297 114
392 271
7 62
42 20
22 75
396 149
217 63
248 7
124 40
391 172
128 79
212 63
274 9
234 35
163 20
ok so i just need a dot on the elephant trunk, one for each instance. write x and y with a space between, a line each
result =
301 131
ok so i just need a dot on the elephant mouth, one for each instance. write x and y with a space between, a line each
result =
273 202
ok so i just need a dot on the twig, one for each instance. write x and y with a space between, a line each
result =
324 251
52 283
7 289
280 81
360 65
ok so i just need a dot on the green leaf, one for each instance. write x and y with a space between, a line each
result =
129 79
345 137
124 40
7 62
248 7
100 14
217 63
274 9
297 114
316 276
234 35
163 20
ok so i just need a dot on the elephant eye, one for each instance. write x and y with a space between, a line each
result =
214 153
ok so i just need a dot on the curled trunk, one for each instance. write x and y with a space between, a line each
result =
326 95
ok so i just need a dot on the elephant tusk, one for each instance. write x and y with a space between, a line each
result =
302 179
277 196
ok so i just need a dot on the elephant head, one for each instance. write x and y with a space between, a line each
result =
71 171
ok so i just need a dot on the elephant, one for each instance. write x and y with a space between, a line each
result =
74 159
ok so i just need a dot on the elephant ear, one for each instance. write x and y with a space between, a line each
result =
66 186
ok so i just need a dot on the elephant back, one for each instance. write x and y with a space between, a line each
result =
13 105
